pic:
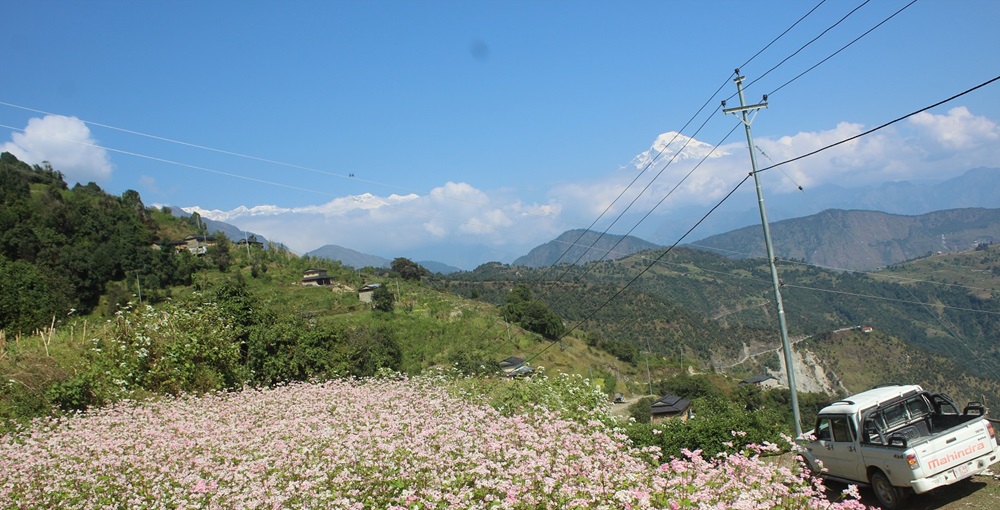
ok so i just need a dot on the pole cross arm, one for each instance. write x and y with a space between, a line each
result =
744 108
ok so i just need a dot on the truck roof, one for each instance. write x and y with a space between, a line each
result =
870 398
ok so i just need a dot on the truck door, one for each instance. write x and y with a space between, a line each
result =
836 447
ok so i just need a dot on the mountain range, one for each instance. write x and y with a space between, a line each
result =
838 239
358 260
863 240
978 187
850 228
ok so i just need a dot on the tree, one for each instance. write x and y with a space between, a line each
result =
26 301
219 253
532 314
408 269
372 348
382 299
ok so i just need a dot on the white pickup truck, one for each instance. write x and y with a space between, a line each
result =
899 439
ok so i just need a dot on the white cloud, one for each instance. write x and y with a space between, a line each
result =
66 143
957 130
457 214
928 147
454 213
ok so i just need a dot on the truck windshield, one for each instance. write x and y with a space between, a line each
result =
917 407
895 415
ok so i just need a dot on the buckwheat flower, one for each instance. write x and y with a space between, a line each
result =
851 492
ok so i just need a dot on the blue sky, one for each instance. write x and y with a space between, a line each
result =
482 126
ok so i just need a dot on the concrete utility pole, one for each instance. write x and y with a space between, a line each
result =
745 117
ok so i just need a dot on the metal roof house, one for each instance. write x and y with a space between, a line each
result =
365 293
514 366
315 277
197 245
669 407
762 379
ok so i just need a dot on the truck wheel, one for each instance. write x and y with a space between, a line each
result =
889 497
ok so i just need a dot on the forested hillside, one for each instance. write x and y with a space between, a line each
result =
62 249
709 310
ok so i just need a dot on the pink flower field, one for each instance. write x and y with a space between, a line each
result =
377 443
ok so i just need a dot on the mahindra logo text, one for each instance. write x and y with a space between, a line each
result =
953 456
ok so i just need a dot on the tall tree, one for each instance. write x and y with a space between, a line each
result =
532 314
408 269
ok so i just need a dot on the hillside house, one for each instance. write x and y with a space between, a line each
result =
315 277
365 293
254 243
669 407
867 329
514 366
764 380
197 245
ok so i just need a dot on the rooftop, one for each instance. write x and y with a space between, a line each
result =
870 398
670 404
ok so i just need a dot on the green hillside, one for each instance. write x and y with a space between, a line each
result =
709 310
108 306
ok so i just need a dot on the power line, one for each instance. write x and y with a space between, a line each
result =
804 46
658 204
177 163
639 195
576 243
622 289
648 266
349 176
844 47
887 124
638 175
804 16
755 55
259 181
650 183
896 300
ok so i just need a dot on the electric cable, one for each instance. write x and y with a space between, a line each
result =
789 29
651 210
599 308
349 176
880 127
645 269
842 48
804 46
259 181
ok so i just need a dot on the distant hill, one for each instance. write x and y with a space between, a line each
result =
356 259
233 232
978 187
349 257
583 246
862 240
438 267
